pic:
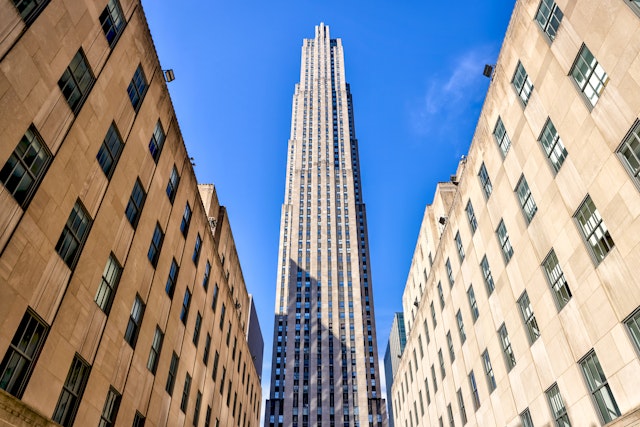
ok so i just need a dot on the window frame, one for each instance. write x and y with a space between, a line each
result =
634 331
109 282
501 137
110 409
135 321
528 318
138 196
505 243
155 247
590 366
522 84
555 277
490 285
155 350
74 233
156 143
485 181
552 145
172 278
552 16
471 216
172 185
82 84
473 303
507 349
72 391
633 136
557 405
111 149
593 74
527 202
138 88
30 16
605 241
109 19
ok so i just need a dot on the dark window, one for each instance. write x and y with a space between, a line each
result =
139 420
137 88
548 17
214 301
170 287
196 249
558 409
529 319
473 303
108 284
505 243
157 141
30 9
136 202
172 186
110 150
474 390
135 320
500 134
155 246
473 223
207 273
186 301
196 411
522 83
154 353
528 205
224 308
110 409
196 329
599 387
186 220
171 376
509 357
22 354
185 393
589 75
76 82
486 273
629 152
214 368
633 325
71 395
552 145
74 235
555 276
26 166
112 21
485 181
594 230
207 348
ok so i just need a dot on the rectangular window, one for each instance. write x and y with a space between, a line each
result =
196 411
214 368
155 246
474 390
170 287
500 134
108 284
488 370
558 410
207 272
485 181
509 357
530 322
426 330
196 329
30 9
196 249
135 321
452 354
629 152
25 168
137 88
22 354
72 390
525 418
76 81
555 276
136 203
171 376
441 360
459 246
522 83
224 308
110 150
633 325
599 387
463 336
154 353
185 393
594 230
525 198
435 380
440 295
138 420
186 220
207 348
112 22
214 300
589 75
549 17
553 146
172 185
463 412
74 235
186 302
505 244
447 265
110 409
486 273
157 142
473 223
473 304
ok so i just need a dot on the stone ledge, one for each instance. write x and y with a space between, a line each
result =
15 413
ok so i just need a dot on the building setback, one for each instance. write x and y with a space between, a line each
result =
324 330
392 355
522 302
120 286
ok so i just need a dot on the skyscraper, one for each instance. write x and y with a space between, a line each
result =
324 331
392 355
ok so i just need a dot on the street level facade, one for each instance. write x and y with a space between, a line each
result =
522 303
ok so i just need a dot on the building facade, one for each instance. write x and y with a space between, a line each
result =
392 355
522 303
123 301
324 330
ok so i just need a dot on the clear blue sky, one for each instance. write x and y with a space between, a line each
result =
415 70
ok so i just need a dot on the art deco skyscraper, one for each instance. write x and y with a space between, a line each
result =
324 331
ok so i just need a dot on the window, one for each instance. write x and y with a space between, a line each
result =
589 75
26 166
112 22
71 395
447 264
196 249
473 304
629 152
136 202
473 223
452 354
594 231
74 235
186 301
530 322
172 186
137 88
599 387
207 273
509 357
525 198
522 83
185 393
196 410
186 220
505 244
157 142
110 150
433 315
485 181
553 146
474 390
459 246
207 348
155 246
154 353
525 418
441 360
171 376
500 134
139 420
486 273
555 276
214 300
548 17
558 410
435 380
463 336
463 412
488 370
632 322
635 5
108 284
196 329
76 82
170 287
30 9
22 354
214 368
440 295
224 308
135 320
110 409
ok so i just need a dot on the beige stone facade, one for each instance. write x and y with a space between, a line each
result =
522 298
122 300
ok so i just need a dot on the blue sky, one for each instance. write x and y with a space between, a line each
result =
415 70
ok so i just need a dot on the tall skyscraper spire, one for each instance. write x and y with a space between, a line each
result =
325 358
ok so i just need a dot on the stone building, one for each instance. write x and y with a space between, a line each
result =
392 355
93 255
522 303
